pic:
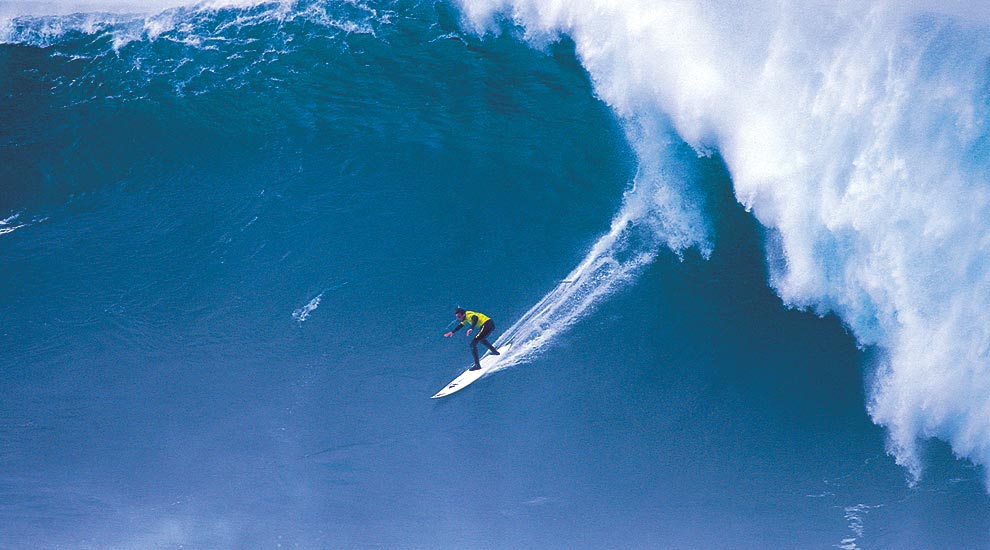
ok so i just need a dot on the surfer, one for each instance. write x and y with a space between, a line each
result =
475 320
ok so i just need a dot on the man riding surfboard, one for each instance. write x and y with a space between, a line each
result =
474 320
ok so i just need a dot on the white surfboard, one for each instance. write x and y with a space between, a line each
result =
469 376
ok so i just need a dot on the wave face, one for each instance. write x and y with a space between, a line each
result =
212 214
859 136
212 50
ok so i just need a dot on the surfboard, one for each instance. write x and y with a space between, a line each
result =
469 376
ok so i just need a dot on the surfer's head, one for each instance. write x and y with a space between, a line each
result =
459 313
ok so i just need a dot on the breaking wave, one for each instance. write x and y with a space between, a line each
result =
857 134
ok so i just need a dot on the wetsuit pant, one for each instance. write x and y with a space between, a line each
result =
486 329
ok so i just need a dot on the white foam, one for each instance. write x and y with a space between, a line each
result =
11 223
858 133
17 8
301 314
656 213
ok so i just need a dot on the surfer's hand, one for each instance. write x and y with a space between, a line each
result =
448 335
469 331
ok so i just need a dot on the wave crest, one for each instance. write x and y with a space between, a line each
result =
859 135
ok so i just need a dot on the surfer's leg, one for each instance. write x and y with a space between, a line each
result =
486 330
474 352
490 347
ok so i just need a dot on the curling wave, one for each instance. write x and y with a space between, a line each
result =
857 134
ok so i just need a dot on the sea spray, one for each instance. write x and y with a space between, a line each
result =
659 210
301 314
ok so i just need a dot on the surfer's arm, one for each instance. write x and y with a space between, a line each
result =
474 324
455 329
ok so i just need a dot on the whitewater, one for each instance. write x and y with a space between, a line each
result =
857 134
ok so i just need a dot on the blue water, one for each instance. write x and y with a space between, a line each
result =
232 238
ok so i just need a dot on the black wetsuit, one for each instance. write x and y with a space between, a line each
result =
487 327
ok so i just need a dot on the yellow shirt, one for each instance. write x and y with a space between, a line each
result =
469 319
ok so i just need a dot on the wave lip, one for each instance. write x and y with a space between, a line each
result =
199 24
34 8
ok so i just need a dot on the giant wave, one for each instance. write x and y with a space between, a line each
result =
858 135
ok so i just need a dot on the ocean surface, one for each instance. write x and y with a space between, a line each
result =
742 252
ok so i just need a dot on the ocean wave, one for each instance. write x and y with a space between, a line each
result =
859 135
190 23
